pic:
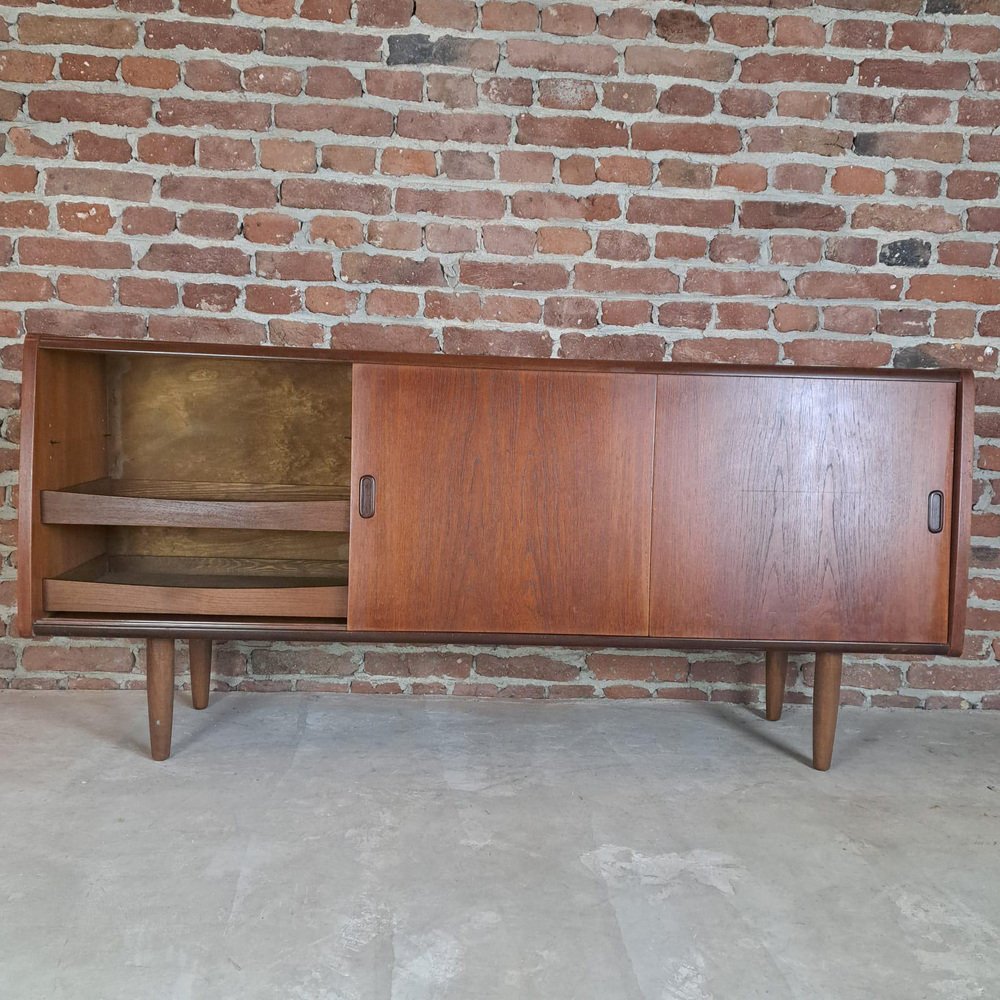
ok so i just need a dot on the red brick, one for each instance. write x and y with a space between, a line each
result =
167 149
209 224
573 132
543 205
90 254
799 32
743 176
26 143
567 94
746 103
85 323
375 337
206 329
649 60
18 179
368 199
830 285
850 319
393 235
25 67
214 298
567 57
272 299
569 19
719 350
460 14
105 109
903 218
332 82
341 232
715 283
638 667
243 115
93 69
152 74
24 287
562 240
682 246
401 162
331 301
740 29
335 11
791 215
385 269
91 147
768 68
625 23
243 193
102 33
396 85
625 170
859 34
518 16
511 241
861 354
706 213
148 221
211 75
517 165
630 97
955 288
973 184
517 343
858 180
626 312
384 13
273 80
385 302
330 46
288 156
799 139
741 316
902 74
729 248
605 278
348 159
24 215
570 312
535 277
84 217
613 347
622 245
803 104
691 138
451 204
195 260
790 317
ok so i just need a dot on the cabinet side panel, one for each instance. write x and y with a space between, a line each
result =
511 501
68 445
961 529
797 509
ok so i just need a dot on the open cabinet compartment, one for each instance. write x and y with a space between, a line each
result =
191 485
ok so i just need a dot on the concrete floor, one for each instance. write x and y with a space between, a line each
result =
303 847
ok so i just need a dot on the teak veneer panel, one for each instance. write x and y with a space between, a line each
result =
513 501
796 509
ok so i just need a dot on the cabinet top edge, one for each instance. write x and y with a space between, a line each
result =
319 354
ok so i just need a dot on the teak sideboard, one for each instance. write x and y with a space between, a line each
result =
198 492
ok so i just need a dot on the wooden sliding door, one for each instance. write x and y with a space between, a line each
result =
500 500
801 508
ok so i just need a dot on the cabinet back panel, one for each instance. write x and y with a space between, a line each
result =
505 501
796 509
230 420
244 543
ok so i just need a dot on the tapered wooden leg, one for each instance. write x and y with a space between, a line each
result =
160 695
826 703
776 666
200 657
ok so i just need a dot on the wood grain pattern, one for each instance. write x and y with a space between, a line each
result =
230 420
826 705
506 500
775 673
796 509
142 502
149 587
200 667
160 695
64 442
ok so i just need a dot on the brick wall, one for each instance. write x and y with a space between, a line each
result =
770 181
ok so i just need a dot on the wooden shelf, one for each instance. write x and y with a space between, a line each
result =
152 503
188 586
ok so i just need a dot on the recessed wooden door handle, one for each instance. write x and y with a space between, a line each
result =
366 496
935 511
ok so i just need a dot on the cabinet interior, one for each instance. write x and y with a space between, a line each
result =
197 485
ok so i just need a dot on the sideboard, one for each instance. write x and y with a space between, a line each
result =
202 492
